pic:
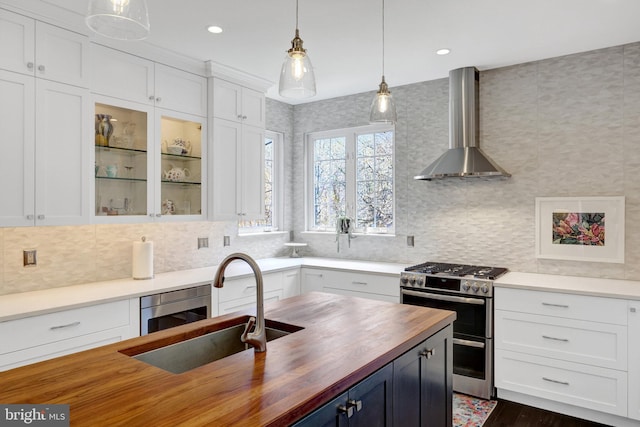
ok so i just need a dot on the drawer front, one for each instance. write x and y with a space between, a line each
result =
247 303
48 328
246 286
361 282
586 386
61 348
597 344
580 307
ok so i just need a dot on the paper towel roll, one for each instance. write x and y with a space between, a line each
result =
142 260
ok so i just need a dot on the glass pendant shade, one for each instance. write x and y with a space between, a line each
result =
296 76
119 19
383 109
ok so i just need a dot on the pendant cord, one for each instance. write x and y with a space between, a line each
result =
382 38
296 14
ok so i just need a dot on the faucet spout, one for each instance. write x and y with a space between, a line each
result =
258 338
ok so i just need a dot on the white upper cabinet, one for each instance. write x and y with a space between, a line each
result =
121 75
43 50
237 103
43 106
238 168
180 91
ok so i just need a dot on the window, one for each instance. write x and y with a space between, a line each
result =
272 188
350 173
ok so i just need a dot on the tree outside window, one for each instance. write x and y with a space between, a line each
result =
352 175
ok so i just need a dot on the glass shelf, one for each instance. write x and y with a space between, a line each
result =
180 157
117 178
102 148
181 182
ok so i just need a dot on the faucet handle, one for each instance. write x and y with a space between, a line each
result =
250 324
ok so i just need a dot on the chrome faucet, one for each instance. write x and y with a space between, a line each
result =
258 338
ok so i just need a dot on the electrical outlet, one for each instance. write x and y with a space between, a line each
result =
226 241
29 258
203 242
410 241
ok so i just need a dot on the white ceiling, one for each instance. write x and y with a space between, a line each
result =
344 37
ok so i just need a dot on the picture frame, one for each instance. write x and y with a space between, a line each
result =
580 228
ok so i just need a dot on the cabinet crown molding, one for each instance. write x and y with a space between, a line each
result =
215 69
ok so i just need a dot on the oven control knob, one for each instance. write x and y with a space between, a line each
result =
465 285
484 288
404 280
474 286
420 281
412 280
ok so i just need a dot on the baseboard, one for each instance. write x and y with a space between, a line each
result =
562 408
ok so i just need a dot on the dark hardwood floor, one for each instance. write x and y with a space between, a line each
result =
511 414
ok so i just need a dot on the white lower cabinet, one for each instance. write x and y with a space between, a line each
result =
51 335
564 349
240 294
634 359
358 284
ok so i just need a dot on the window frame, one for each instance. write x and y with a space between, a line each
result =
350 134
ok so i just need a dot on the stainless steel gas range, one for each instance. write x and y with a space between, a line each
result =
467 290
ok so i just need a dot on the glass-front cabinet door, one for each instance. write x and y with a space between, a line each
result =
121 160
148 163
181 168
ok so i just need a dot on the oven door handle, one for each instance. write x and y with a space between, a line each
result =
468 343
449 298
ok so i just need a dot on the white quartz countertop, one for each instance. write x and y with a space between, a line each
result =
26 304
609 288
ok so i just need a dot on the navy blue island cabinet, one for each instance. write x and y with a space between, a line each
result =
415 390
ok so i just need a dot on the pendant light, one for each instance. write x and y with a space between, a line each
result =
383 109
119 19
296 77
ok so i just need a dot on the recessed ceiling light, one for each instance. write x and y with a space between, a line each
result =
214 29
443 51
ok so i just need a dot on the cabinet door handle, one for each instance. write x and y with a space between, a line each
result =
158 215
68 325
546 337
40 217
30 217
555 381
355 404
41 68
240 116
158 99
428 353
346 410
244 117
30 65
632 309
359 283
151 97
548 304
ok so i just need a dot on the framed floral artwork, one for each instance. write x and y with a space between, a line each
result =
580 228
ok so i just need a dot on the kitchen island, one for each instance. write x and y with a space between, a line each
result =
343 341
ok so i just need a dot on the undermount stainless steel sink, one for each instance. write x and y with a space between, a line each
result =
189 354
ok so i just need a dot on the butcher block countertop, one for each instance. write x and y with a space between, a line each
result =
344 340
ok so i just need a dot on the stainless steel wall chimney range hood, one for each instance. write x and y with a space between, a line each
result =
463 158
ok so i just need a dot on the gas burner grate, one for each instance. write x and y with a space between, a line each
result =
460 270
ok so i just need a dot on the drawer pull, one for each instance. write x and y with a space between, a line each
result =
555 339
69 325
548 304
555 381
359 283
632 309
